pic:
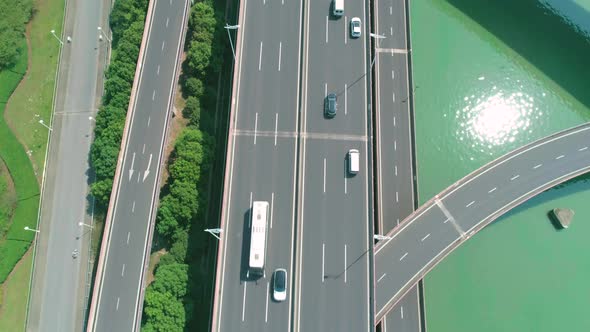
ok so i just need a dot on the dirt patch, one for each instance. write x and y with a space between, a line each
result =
154 260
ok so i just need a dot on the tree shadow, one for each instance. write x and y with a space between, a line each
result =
541 36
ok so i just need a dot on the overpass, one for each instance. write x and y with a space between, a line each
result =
449 219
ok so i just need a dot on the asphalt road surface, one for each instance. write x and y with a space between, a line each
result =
119 307
59 284
395 183
333 246
454 215
262 166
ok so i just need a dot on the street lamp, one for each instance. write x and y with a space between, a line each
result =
31 229
231 27
100 35
214 232
380 237
83 224
56 37
44 125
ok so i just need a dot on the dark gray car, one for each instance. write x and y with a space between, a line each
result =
330 105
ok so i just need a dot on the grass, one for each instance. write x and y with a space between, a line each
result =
15 291
7 199
33 99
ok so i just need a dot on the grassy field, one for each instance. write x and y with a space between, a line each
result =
15 292
7 199
33 99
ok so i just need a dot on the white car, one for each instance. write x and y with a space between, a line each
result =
279 288
355 27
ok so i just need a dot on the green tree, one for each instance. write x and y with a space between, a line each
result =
192 110
187 200
163 312
166 223
172 279
198 57
185 171
193 87
179 247
101 190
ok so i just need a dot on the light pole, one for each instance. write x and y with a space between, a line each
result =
56 37
83 224
44 125
376 37
214 232
231 27
100 35
380 237
31 229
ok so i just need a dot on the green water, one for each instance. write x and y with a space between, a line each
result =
491 76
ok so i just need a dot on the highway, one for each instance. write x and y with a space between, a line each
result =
59 284
118 293
395 175
261 165
335 215
456 214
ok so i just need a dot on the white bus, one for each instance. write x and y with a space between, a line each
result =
259 222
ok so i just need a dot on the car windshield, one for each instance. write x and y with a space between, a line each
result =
280 281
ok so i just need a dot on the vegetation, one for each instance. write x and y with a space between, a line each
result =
175 301
13 16
13 305
127 23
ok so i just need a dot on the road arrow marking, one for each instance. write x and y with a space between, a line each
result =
131 169
147 171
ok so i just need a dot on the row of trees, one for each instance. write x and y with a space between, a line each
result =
13 16
173 301
127 23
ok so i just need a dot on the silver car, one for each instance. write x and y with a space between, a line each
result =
355 27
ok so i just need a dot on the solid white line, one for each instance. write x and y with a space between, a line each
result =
267 294
260 58
244 301
345 264
395 167
397 196
345 97
559 157
383 276
167 21
345 25
154 95
514 177
272 204
250 212
163 43
324 174
255 127
537 166
424 238
584 148
133 207
394 121
326 29
404 256
128 235
471 203
280 53
123 270
345 181
149 121
117 308
323 257
276 127
492 190
158 71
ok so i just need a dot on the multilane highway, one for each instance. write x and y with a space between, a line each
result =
118 293
261 165
456 214
334 225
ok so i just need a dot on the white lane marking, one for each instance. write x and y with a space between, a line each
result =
390 10
426 237
276 127
326 29
143 150
537 166
250 212
584 148
264 2
123 270
128 235
158 71
383 276
404 256
471 203
131 170
345 264
154 95
397 196
325 90
255 127
138 177
394 121
345 25
149 121
267 294
391 30
147 170
244 301
559 157
272 204
392 74
163 44
133 207
446 220
345 97
393 94
260 58
492 190
395 167
402 311
167 20
282 2
345 179
324 174
280 53
117 308
394 145
449 216
323 257
398 221
514 177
